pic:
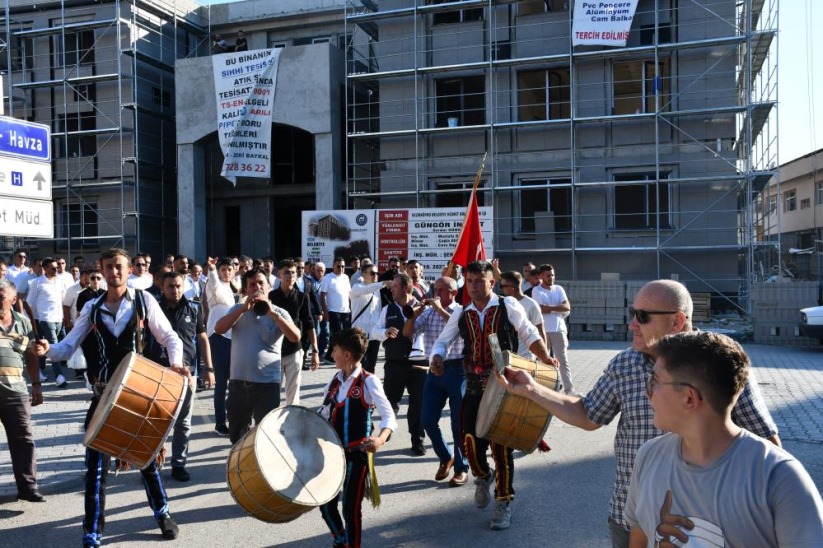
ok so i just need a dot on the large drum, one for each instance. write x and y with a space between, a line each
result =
515 421
285 466
136 411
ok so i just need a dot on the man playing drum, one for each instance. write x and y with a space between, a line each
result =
117 319
480 318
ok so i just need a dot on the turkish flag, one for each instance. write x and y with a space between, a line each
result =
470 245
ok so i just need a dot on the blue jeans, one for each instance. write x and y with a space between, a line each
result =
322 329
182 431
221 360
50 332
451 386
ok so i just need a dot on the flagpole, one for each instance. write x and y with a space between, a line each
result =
478 175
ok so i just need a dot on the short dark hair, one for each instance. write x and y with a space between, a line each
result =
114 252
479 267
352 340
513 277
224 261
412 262
352 258
544 268
170 275
393 259
286 263
138 256
47 260
405 279
299 260
716 364
179 257
251 273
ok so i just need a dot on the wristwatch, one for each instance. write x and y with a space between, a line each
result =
210 369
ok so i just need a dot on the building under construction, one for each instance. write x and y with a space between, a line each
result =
645 160
101 75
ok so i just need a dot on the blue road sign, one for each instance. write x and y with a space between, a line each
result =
16 178
23 139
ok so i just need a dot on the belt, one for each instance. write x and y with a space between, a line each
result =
241 382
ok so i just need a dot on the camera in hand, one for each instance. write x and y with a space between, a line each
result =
261 308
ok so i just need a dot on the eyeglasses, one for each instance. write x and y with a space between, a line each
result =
652 383
504 286
235 264
140 265
98 278
642 316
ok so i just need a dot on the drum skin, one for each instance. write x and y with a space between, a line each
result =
289 464
515 421
136 411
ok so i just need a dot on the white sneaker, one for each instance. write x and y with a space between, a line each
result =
43 377
60 381
502 517
481 491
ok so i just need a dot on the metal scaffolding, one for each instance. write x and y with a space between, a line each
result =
647 160
101 75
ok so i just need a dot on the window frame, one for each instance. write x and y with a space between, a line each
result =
790 200
466 116
89 234
463 184
554 109
622 221
819 192
647 85
562 192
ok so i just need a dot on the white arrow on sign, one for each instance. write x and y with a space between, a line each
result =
25 178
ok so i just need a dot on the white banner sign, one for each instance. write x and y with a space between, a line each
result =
602 23
33 218
244 83
330 234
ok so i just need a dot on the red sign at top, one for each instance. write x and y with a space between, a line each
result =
393 215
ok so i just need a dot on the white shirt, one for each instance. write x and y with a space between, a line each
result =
374 396
70 300
156 321
534 316
526 331
191 289
337 289
45 297
220 298
553 296
378 333
19 277
139 282
363 296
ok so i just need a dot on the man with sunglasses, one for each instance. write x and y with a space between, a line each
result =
677 487
45 297
661 307
140 277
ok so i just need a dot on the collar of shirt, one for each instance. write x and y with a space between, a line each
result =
493 301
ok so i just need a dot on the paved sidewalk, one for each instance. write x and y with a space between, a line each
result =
791 379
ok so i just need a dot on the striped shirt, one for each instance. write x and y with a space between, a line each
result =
13 343
622 389
430 323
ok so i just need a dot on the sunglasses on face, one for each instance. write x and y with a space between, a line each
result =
644 316
98 278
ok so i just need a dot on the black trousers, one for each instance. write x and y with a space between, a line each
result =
348 529
369 361
97 471
338 321
15 415
400 376
475 450
247 401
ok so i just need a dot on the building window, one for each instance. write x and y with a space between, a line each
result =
772 204
278 44
819 192
85 92
640 205
462 100
664 34
543 94
456 16
74 141
530 7
549 195
22 52
79 48
456 193
312 40
637 88
78 222
805 203
790 200
161 97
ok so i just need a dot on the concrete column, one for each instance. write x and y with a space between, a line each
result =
191 200
327 171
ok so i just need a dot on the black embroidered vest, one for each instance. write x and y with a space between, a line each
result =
477 357
104 351
351 418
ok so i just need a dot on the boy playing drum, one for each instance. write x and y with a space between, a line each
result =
350 398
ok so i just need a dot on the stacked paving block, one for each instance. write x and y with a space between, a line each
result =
598 310
776 311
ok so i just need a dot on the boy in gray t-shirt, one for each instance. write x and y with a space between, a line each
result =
708 481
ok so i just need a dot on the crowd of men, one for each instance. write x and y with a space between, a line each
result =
247 328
